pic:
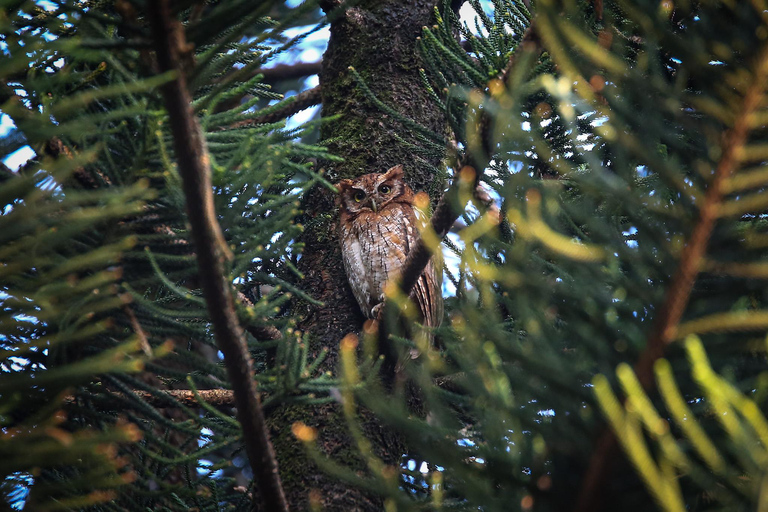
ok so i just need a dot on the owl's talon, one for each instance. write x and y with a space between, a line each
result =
377 310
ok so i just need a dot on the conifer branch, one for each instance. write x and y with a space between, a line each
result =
289 71
292 105
469 168
448 208
212 252
680 288
214 397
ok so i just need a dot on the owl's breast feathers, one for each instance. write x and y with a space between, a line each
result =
374 249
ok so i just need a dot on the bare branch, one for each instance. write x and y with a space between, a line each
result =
294 104
214 397
289 71
211 251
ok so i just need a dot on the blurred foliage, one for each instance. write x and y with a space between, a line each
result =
619 135
626 143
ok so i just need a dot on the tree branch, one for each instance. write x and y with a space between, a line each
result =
214 397
289 71
679 289
211 250
450 207
294 104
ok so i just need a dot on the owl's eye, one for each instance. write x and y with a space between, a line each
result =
385 189
359 196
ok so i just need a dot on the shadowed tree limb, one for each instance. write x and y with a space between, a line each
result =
212 252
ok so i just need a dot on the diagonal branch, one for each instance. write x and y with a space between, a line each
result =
211 250
290 106
679 289
450 207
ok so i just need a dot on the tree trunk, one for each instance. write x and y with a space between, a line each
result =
377 38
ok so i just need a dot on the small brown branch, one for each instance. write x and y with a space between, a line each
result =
260 332
226 398
145 346
294 104
289 71
679 289
214 397
211 251
56 148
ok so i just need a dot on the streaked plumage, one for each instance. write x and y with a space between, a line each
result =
378 226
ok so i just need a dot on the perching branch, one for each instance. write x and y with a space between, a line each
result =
679 289
211 251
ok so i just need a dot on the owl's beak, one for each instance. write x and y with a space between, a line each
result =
373 205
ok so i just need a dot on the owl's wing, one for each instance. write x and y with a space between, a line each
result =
427 293
356 268
428 296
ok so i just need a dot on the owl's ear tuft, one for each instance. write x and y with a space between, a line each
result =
395 172
343 185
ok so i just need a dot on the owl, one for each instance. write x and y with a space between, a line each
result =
378 226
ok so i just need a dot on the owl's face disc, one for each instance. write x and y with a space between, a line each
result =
373 192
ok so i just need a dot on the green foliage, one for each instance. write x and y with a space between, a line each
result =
728 474
100 301
626 147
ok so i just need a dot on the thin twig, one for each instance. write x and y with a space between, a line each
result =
145 346
679 289
194 167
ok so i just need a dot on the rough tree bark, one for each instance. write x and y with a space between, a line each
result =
378 39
